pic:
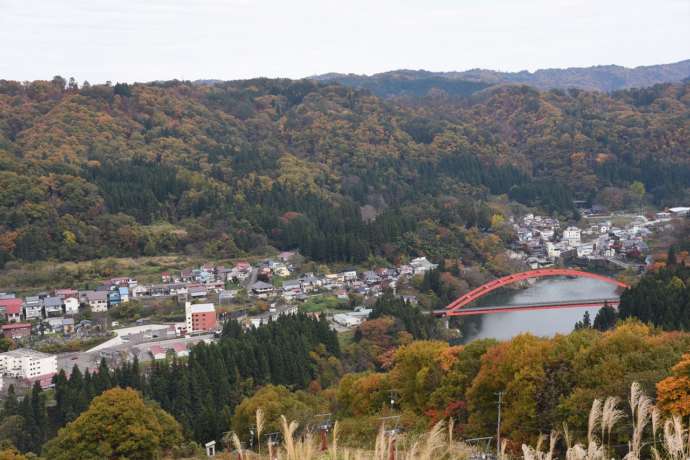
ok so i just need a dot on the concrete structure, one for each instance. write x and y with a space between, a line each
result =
200 317
29 365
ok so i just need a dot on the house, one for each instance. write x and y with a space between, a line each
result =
66 293
310 282
242 271
197 292
53 306
572 235
354 318
273 313
140 291
11 310
406 270
200 317
157 352
285 256
261 289
410 299
16 330
187 276
333 280
123 282
226 297
294 286
68 326
369 277
29 365
114 298
180 349
349 274
421 265
584 249
54 324
679 211
281 270
341 294
124 294
96 300
71 306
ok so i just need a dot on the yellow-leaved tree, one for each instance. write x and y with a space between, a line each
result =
117 424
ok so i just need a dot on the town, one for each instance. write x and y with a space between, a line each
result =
253 294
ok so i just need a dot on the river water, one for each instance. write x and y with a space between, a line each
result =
540 322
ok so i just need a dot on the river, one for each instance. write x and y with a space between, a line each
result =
540 322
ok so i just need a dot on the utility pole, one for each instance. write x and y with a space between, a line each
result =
498 427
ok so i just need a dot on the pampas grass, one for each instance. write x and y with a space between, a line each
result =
675 444
259 428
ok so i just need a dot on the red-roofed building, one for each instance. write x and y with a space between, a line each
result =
157 352
11 310
181 349
16 330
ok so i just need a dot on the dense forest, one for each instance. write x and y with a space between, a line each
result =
226 169
295 367
201 392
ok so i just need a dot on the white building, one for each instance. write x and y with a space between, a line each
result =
572 235
29 365
421 265
71 306
679 211
354 318
273 314
585 249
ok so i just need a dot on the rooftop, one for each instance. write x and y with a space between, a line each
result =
203 308
26 352
11 306
8 327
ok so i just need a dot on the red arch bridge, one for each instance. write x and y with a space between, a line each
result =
459 307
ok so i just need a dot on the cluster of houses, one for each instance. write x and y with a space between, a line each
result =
542 241
54 309
371 282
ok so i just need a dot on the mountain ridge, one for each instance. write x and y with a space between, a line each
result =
604 78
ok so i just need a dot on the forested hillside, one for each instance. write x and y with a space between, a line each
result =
97 170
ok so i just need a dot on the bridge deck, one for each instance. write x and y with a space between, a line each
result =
584 303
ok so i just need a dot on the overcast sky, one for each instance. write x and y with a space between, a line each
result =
143 40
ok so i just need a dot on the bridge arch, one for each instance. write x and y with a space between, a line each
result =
486 288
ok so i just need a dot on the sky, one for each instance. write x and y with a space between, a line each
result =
144 40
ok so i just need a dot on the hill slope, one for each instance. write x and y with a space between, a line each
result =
226 169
